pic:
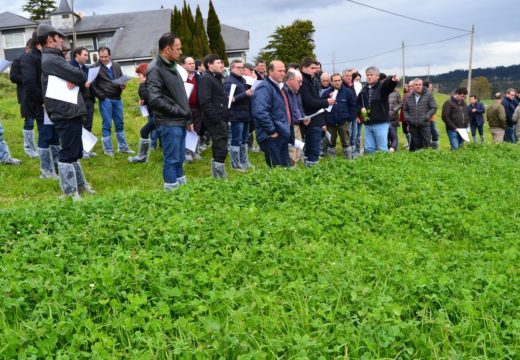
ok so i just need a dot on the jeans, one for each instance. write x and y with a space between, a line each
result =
47 135
69 131
312 143
509 135
276 151
28 123
456 141
376 137
353 132
173 142
111 109
435 131
239 133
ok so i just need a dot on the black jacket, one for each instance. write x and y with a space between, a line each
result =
86 92
15 74
312 101
241 108
103 87
212 98
454 114
53 63
378 105
166 95
32 98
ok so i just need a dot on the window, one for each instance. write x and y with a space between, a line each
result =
103 41
85 42
65 16
14 40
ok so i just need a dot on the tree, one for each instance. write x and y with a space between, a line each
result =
216 41
39 9
200 39
176 21
290 43
480 86
185 33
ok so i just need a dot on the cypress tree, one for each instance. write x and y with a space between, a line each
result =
191 20
200 39
216 41
39 9
176 21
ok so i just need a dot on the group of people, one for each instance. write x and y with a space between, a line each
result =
297 112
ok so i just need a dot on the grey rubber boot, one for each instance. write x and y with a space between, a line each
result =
408 139
235 158
474 139
143 153
83 185
218 170
46 164
107 145
435 145
5 154
29 145
182 180
171 186
347 152
482 139
68 181
244 160
309 164
331 151
55 151
122 145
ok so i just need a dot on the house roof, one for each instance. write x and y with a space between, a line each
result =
8 20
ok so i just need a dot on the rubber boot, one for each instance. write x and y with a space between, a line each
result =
182 180
83 185
29 145
55 151
168 187
235 158
474 139
46 164
5 154
331 151
408 140
107 145
68 181
482 139
244 160
218 170
347 152
143 153
309 164
122 145
435 145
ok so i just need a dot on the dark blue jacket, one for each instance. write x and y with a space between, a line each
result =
478 115
86 92
295 102
32 96
269 112
240 108
378 105
509 106
345 108
312 101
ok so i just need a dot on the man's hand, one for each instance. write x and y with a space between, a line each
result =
123 86
141 102
474 110
189 127
70 85
274 136
87 84
396 78
249 92
331 101
306 120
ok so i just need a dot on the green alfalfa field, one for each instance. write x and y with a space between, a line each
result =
411 256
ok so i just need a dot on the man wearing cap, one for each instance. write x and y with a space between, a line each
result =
110 104
67 117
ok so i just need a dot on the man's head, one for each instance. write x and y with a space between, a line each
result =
510 93
417 86
336 81
498 97
372 73
293 80
170 47
460 94
105 56
81 55
325 80
428 85
473 99
276 71
308 66
188 63
237 67
347 76
213 63
294 66
260 66
49 37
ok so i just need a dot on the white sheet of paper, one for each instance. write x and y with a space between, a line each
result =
122 80
46 118
4 64
144 110
328 136
88 139
231 93
299 144
57 89
93 73
249 80
334 95
182 72
189 88
463 133
192 139
320 111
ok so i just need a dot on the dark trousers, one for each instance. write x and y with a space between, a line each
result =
421 137
147 129
196 116
276 151
393 139
313 136
218 134
88 120
69 131
47 135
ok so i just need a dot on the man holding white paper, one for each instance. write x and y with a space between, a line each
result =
168 101
456 117
192 81
293 82
66 114
110 103
239 114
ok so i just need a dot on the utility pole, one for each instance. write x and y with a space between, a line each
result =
428 72
470 59
404 81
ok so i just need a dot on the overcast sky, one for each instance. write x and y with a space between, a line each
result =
348 31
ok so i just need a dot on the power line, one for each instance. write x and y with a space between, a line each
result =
408 17
438 41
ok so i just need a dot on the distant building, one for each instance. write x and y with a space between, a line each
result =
132 37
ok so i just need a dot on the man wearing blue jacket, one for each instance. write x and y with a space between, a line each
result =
272 114
508 102
338 120
476 118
